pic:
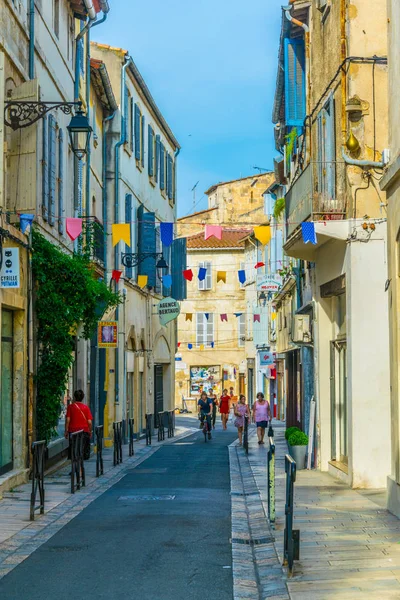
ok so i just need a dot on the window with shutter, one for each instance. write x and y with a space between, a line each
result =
205 284
169 176
45 169
241 330
162 166
147 244
157 287
210 328
200 318
128 219
131 122
166 251
52 168
178 264
61 182
142 141
126 124
138 120
204 329
150 151
157 154
327 150
295 89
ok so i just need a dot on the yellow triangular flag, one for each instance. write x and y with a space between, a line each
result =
221 276
263 234
201 346
273 316
142 280
121 232
189 317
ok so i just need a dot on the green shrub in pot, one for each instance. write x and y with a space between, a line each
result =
298 438
298 442
289 432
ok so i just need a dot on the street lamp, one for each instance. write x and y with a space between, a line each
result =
79 133
133 259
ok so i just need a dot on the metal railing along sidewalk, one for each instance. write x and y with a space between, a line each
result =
77 465
291 543
38 456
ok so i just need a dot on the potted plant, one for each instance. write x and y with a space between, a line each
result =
298 442
288 433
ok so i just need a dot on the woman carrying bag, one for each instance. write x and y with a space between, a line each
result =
79 418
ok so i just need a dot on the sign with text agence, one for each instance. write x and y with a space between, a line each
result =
168 310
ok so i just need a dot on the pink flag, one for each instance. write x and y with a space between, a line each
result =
74 228
213 230
224 317
256 318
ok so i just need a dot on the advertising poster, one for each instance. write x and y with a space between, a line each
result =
202 378
107 334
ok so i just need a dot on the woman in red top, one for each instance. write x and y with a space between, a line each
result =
224 406
78 415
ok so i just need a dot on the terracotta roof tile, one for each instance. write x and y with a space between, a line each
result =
231 238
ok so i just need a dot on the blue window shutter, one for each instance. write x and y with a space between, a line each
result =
158 284
142 141
147 243
330 148
162 167
158 142
295 88
320 152
178 262
166 250
52 169
61 182
45 171
132 122
137 132
150 152
128 219
169 176
125 115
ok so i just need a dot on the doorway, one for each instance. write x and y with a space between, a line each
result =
6 395
339 402
158 392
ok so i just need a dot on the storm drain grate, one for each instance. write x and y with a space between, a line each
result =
244 493
256 542
145 498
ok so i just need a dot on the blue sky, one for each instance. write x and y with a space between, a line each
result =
211 68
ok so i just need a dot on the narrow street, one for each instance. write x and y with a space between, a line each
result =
163 531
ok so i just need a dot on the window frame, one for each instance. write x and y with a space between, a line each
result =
207 284
208 329
240 334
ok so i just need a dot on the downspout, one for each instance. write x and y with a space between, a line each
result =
105 198
289 17
92 18
31 39
343 52
362 163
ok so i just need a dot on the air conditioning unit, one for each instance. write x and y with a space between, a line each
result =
301 332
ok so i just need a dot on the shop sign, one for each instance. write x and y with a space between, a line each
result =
266 358
168 310
9 274
107 336
269 283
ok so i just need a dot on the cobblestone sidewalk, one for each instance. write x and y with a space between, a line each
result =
21 537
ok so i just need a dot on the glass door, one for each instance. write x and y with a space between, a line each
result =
6 392
339 402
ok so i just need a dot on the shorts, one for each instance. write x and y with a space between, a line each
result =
263 424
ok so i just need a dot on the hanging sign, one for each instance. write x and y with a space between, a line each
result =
107 334
9 274
266 358
269 283
168 310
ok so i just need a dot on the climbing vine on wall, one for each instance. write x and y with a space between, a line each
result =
67 295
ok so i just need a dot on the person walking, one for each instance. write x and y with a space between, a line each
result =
79 418
224 406
205 407
261 416
214 400
241 409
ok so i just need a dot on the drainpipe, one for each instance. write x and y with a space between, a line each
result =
92 18
31 39
343 52
105 198
289 17
362 163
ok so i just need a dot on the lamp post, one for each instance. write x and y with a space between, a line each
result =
133 259
19 114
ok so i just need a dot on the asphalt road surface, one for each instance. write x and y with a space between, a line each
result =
162 532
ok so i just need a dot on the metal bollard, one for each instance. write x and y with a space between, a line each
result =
38 454
171 428
161 429
148 429
246 434
271 481
99 454
291 544
117 427
131 423
77 464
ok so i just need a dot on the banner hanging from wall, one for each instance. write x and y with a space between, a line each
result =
269 283
107 336
9 274
168 310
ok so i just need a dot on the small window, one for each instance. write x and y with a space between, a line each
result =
206 284
56 17
204 329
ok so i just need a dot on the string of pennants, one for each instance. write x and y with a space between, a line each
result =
224 316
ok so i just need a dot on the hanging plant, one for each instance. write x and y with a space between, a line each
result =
279 208
67 295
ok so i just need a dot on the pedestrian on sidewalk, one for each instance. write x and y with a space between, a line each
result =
261 416
241 409
214 400
224 407
205 407
79 418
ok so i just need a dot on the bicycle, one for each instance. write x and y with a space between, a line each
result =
205 428
246 434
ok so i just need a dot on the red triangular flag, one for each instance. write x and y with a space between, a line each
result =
256 318
188 274
179 344
116 275
259 265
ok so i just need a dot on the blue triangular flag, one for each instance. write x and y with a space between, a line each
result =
308 231
190 346
202 273
242 276
212 344
167 233
167 280
206 315
238 314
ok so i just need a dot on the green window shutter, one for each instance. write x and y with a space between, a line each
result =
132 122
45 166
150 152
169 176
295 86
166 251
125 116
142 141
61 182
128 219
137 132
158 142
162 167
179 264
146 244
52 169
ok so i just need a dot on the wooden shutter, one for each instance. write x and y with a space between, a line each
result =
178 264
126 115
200 330
128 219
146 244
169 176
295 90
142 141
210 328
52 168
202 284
158 142
162 166
45 168
150 151
132 122
208 279
137 132
61 182
166 251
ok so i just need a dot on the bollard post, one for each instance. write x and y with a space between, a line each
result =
77 464
291 543
38 454
171 431
271 481
131 449
246 434
117 427
161 430
99 454
148 429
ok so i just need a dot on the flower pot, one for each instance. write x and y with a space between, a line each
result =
298 454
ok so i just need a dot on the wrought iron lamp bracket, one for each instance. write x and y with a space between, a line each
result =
19 114
133 259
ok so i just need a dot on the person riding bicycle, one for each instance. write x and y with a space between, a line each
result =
205 405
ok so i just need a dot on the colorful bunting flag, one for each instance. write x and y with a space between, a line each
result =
221 276
207 315
273 316
142 280
213 230
116 275
167 280
256 318
201 346
121 232
242 276
263 234
190 346
238 314
179 344
259 265
167 233
189 317
212 344
188 274
202 274
224 317
74 228
308 231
